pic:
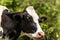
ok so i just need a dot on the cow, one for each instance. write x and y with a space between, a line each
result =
12 23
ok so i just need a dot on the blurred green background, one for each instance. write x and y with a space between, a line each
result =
48 8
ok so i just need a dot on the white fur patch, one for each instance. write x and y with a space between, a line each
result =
32 12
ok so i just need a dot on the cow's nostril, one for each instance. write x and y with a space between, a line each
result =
41 34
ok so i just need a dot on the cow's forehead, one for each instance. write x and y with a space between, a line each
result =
32 12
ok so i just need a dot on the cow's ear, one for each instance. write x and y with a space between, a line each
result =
41 19
5 11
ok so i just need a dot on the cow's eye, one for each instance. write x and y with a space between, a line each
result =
30 18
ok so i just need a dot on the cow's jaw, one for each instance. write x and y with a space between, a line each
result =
32 12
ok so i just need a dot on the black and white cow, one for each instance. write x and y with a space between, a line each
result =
12 23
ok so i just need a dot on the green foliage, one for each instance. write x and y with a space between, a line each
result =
51 26
24 38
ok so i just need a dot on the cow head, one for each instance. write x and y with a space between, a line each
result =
29 22
38 33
